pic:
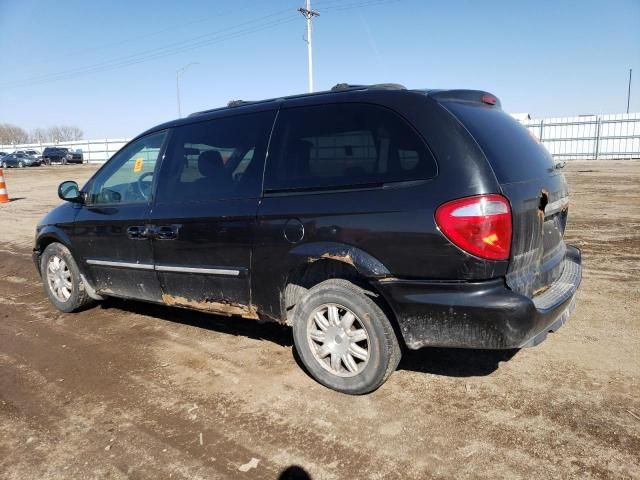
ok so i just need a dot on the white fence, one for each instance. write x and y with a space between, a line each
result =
589 137
586 137
94 151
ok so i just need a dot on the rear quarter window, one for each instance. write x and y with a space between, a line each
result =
342 146
514 154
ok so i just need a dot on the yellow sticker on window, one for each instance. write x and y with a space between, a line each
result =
137 167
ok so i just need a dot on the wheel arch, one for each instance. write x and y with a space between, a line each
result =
314 263
48 235
366 264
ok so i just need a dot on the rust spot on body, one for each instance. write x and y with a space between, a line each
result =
345 258
388 279
544 200
541 290
222 308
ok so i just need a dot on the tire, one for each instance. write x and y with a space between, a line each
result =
4 165
353 376
66 271
21 164
63 161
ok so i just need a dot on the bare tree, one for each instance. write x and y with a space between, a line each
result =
12 134
71 132
39 135
64 133
54 134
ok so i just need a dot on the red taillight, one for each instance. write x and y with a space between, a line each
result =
489 99
479 225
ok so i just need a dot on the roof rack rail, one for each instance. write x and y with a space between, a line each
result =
387 86
340 87
237 103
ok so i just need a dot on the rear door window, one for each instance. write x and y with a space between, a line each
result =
216 159
342 146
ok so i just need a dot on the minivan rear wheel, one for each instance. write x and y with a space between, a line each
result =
344 339
62 280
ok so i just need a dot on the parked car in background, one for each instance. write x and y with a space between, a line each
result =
367 218
33 153
20 160
2 154
61 155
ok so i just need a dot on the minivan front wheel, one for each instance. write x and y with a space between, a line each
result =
62 280
344 339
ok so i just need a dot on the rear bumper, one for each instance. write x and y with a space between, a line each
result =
481 314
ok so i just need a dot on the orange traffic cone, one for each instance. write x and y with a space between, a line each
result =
4 196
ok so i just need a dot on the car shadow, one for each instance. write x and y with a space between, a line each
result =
449 362
236 326
454 362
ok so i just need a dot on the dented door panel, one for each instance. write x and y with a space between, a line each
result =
206 265
539 209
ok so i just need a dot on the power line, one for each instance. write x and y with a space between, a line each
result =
183 45
358 4
167 50
137 37
309 14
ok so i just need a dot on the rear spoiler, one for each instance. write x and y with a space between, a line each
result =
473 96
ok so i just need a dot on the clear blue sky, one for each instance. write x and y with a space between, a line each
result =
549 58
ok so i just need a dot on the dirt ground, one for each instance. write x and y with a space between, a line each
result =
131 390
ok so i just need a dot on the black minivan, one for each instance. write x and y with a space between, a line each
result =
369 218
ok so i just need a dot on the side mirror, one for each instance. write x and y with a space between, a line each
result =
69 191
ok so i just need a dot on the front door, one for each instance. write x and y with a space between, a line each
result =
111 233
205 211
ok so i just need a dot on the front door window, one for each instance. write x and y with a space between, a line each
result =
128 178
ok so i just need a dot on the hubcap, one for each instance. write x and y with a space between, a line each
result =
338 340
59 278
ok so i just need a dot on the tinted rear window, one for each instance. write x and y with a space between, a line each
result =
515 155
345 145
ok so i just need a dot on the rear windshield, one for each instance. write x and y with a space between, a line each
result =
515 155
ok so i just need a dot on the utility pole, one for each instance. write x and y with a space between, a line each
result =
309 14
629 90
179 72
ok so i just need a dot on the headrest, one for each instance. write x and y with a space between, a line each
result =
210 163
